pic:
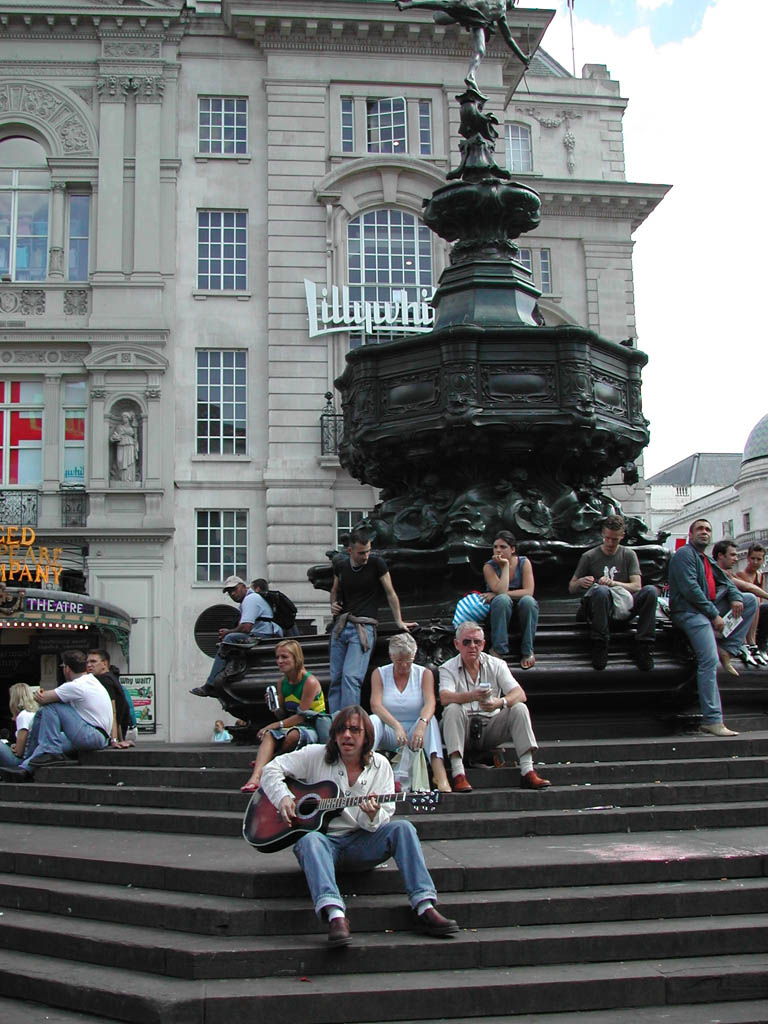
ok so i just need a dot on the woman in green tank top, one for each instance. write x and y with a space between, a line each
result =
302 717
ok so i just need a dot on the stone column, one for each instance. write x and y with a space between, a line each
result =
57 248
51 432
109 245
152 454
98 453
146 235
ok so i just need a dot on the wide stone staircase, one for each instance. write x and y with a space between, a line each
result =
635 889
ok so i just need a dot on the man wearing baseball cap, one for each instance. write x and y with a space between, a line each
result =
255 620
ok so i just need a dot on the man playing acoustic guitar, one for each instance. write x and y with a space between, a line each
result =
362 836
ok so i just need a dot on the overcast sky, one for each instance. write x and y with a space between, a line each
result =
694 72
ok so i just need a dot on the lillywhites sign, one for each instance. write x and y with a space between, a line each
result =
335 312
21 561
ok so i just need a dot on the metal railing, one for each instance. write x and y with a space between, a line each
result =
73 504
331 427
19 508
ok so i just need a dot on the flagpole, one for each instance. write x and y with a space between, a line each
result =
573 49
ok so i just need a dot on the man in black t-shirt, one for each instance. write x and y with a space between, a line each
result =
609 566
97 663
357 581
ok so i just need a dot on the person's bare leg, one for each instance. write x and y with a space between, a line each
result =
439 774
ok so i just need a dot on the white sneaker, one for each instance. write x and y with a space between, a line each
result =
757 654
746 656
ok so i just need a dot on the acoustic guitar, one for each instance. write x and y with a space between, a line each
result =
316 805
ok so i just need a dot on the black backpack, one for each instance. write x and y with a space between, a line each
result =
283 608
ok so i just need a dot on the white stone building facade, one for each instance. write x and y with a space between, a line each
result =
194 167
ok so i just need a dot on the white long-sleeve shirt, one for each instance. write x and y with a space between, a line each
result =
308 765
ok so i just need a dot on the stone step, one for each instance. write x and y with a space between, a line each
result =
750 1012
424 995
14 1011
542 817
228 867
221 915
402 949
496 790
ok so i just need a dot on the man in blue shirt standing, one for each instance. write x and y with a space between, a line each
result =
255 621
700 594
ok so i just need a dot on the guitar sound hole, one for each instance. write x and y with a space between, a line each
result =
307 806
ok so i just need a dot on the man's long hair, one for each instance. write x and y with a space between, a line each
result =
339 724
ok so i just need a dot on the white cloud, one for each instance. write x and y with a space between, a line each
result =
694 121
652 5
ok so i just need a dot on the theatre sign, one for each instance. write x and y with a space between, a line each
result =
22 562
331 311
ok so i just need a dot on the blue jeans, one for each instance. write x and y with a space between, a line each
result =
359 850
259 629
502 607
349 663
698 628
7 757
58 729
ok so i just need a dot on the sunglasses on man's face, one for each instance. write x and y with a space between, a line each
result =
470 642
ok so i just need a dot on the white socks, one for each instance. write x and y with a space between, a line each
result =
457 766
526 763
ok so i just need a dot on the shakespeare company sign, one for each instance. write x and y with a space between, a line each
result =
330 312
21 561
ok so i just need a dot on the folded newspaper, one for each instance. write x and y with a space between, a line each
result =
730 622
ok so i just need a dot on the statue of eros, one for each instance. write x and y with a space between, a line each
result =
480 17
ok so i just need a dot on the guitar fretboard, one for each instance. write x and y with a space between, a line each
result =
339 802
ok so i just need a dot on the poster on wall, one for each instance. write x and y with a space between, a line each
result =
141 690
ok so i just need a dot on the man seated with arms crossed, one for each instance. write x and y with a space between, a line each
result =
77 715
612 565
360 837
700 594
726 554
483 702
97 663
757 637
255 620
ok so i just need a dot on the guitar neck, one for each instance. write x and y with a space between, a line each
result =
340 802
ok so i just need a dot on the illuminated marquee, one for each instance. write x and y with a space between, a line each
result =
22 562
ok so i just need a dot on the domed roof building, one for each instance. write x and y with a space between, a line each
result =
733 495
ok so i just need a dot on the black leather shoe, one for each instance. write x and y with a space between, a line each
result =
599 654
433 923
15 775
48 760
203 691
644 659
338 932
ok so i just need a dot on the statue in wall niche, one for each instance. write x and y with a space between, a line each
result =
480 17
125 438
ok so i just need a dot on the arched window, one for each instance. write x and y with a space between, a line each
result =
25 183
389 257
517 138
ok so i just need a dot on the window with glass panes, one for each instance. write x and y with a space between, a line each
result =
346 520
347 124
387 125
221 401
74 406
425 128
222 125
222 250
518 148
79 230
221 544
24 204
390 260
21 432
543 258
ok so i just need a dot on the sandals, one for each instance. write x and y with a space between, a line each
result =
528 661
249 787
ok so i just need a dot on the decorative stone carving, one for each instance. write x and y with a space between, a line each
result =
76 301
56 260
117 87
150 90
563 117
125 442
25 301
132 50
49 106
152 394
98 393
